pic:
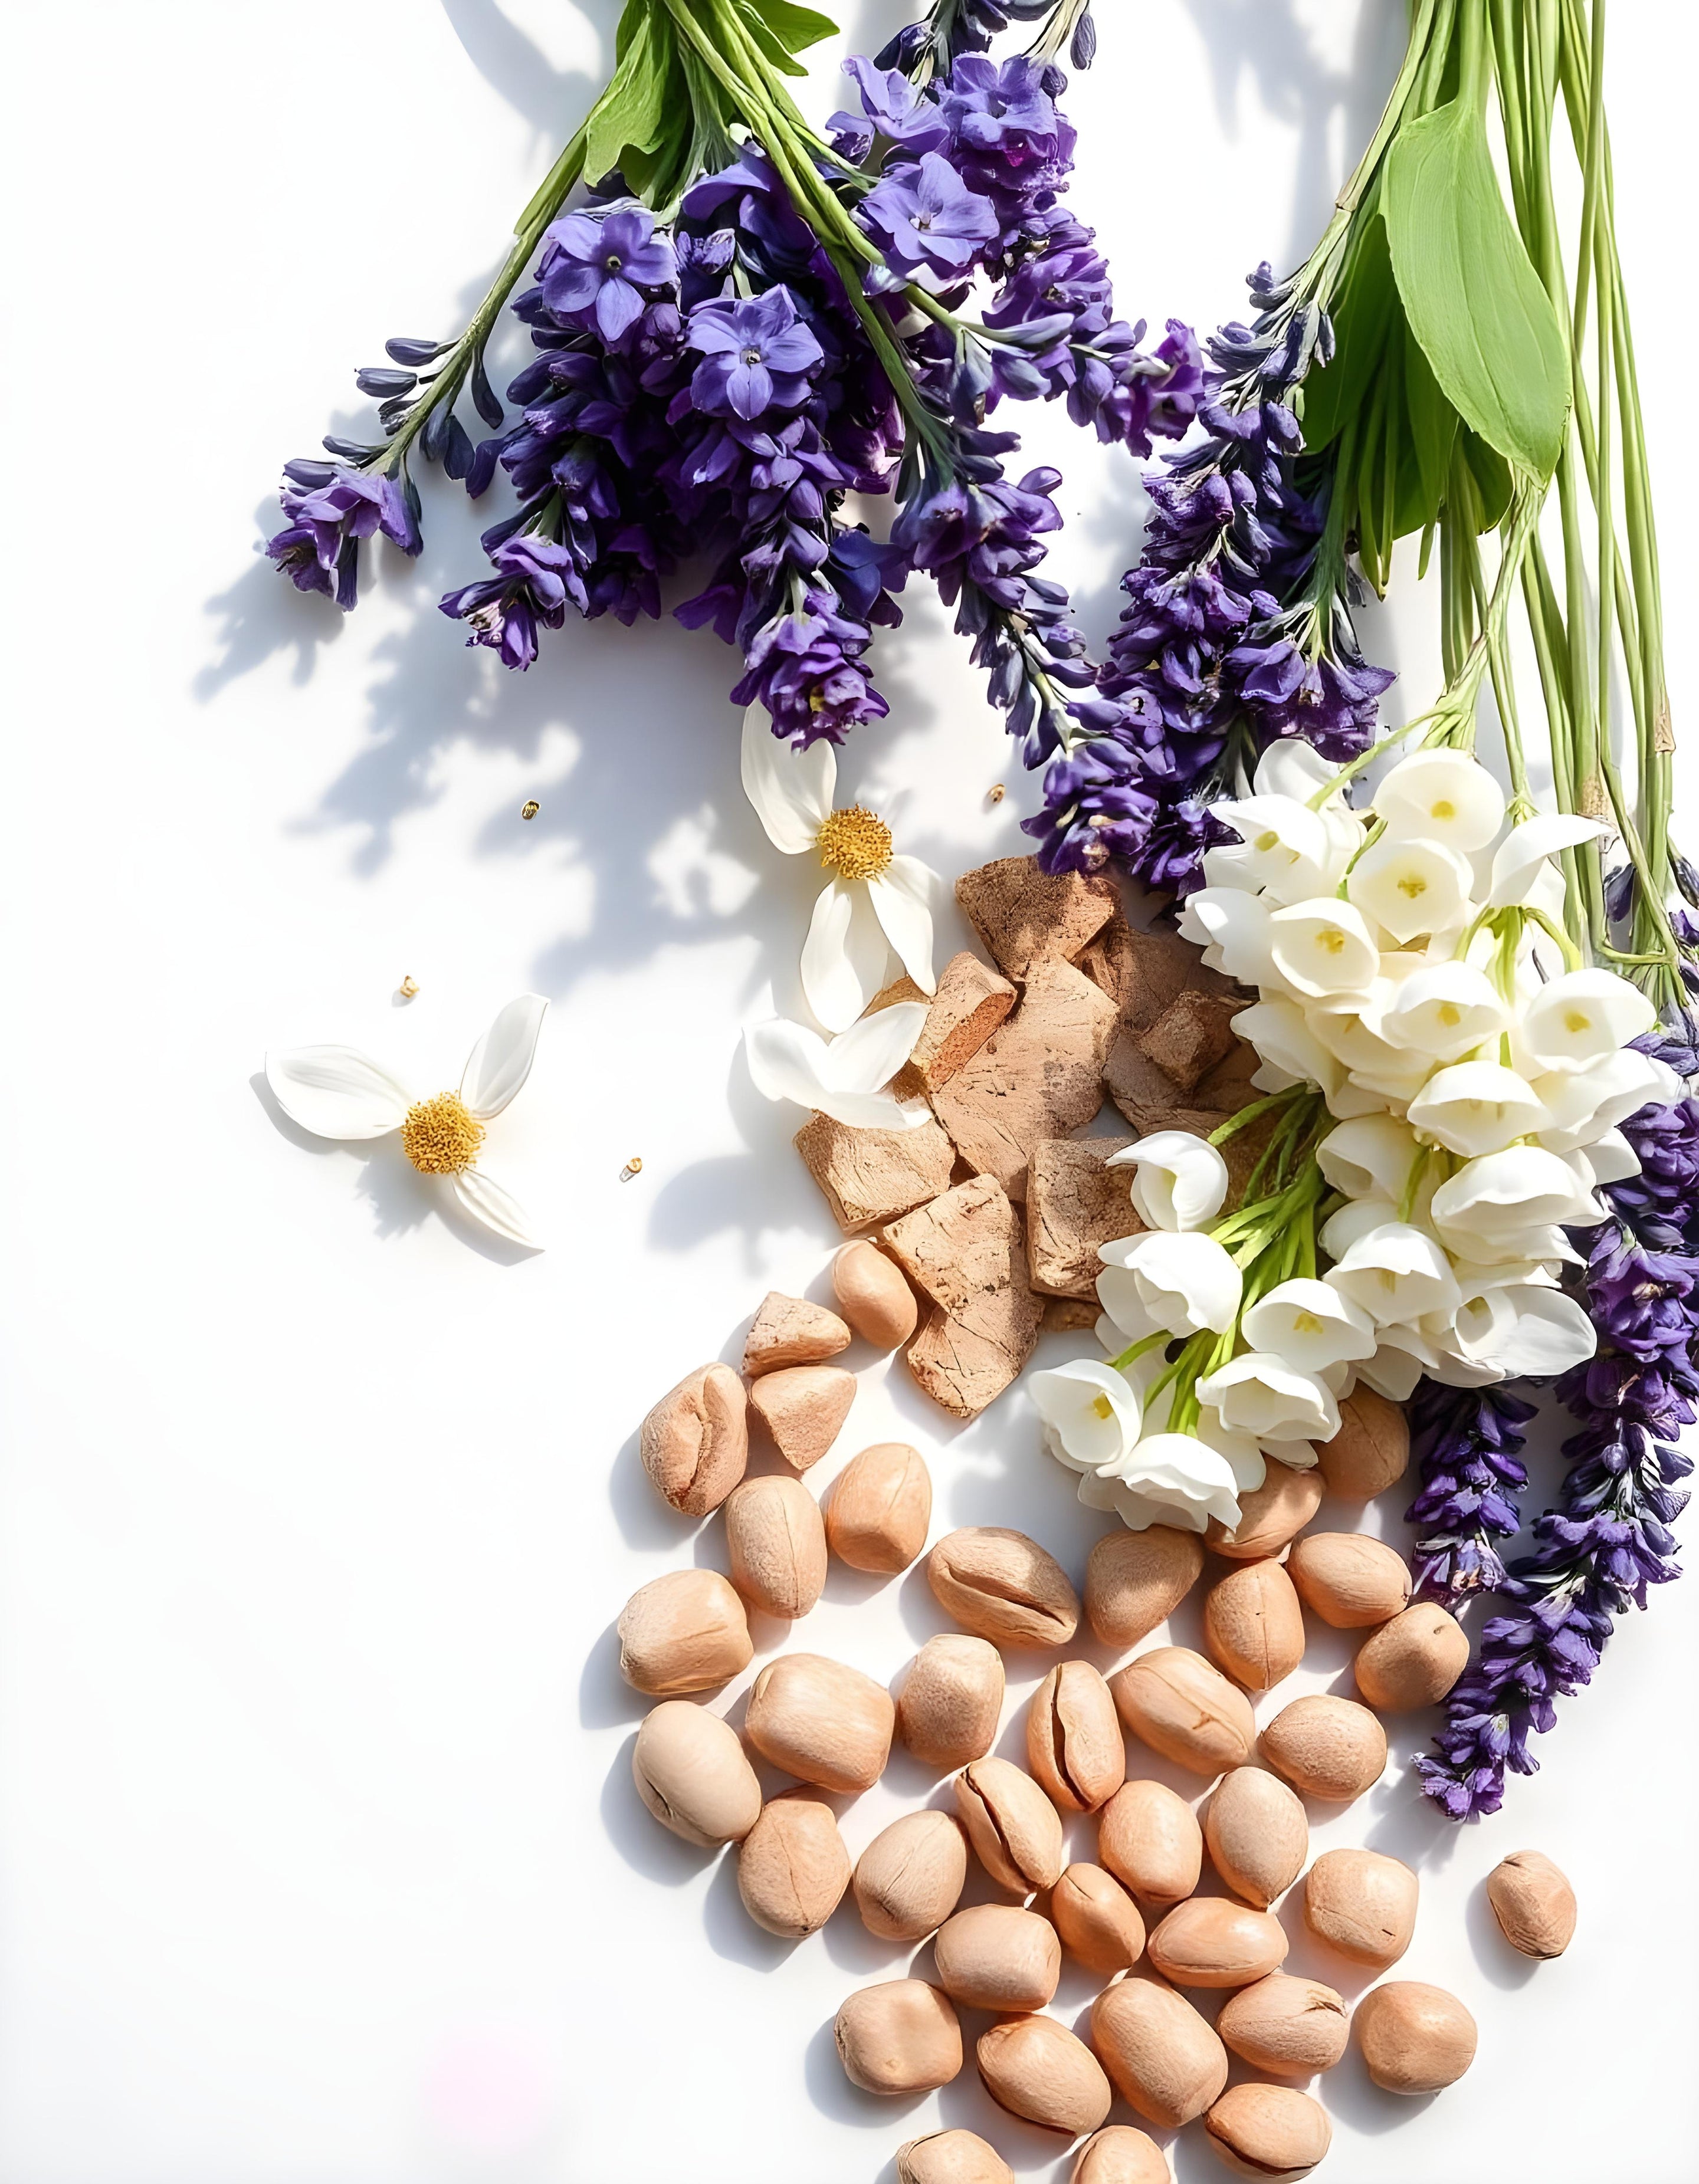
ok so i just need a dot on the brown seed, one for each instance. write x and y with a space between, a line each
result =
951 1701
951 2157
683 1632
1097 1920
1361 1904
878 1508
1120 2155
1370 1452
1074 1743
695 1443
792 1868
1258 1835
910 1877
1350 1580
789 1330
1254 1626
874 1295
1185 1709
1037 2069
776 1544
1149 1839
821 1721
1165 2058
1288 2027
1271 2131
996 1956
901 2037
1327 1747
1532 1902
1270 1515
1004 1587
1414 2038
802 1408
1013 1826
690 1772
529 808
1412 1661
1135 1580
1212 1941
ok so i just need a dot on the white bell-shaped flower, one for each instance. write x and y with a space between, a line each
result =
1581 1019
1312 1324
1511 1196
1231 865
1401 1357
1280 1032
1322 947
1233 929
1397 1274
1174 1479
1444 1010
1259 1393
1519 862
1524 1330
1181 1282
1610 1159
1090 1413
1475 1107
843 1078
1443 796
1369 1157
1411 887
1585 1104
1351 1222
1288 841
1179 1181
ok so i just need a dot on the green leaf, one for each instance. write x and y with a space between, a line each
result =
1474 301
795 28
635 114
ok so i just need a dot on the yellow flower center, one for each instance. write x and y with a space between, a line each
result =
439 1136
1332 939
1306 1322
1574 1020
1444 809
1103 1406
1450 1015
1413 885
855 844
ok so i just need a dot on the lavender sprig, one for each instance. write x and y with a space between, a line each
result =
1468 1443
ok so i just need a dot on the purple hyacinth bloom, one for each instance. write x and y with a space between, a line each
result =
928 219
756 355
896 109
1000 108
603 266
319 547
535 577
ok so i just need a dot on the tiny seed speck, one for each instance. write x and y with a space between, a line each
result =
529 809
408 987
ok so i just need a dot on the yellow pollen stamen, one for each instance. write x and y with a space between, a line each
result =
1450 1015
1103 1406
439 1136
855 844
1268 841
1306 1322
1332 939
1444 809
1575 1021
1413 884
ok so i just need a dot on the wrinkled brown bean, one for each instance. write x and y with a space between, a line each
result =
1412 1661
1350 1580
1258 1835
1532 1902
792 1868
951 1701
1271 2131
996 1956
1074 1743
690 1772
878 1508
1361 1904
1004 1587
1414 2038
1149 1839
1011 1823
789 1330
874 1297
1135 1580
1370 1452
1121 2155
1288 2027
1327 1747
1097 1920
952 2157
1212 1941
1037 2069
776 1544
1185 1709
1254 1626
695 1443
1165 2060
683 1632
901 2037
910 1877
820 1721
1270 1515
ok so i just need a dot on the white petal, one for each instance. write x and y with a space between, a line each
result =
791 790
789 1061
488 1202
868 1055
902 897
335 1092
502 1060
1518 859
846 955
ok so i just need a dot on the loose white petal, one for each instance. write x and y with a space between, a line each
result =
868 1055
486 1201
789 1061
791 790
1520 858
1610 1158
902 897
1280 1033
502 1060
846 955
335 1092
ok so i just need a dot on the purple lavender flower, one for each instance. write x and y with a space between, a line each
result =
535 577
1004 109
926 218
757 355
893 106
1468 1444
329 508
599 267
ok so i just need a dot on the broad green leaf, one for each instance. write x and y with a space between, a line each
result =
795 28
1474 301
636 109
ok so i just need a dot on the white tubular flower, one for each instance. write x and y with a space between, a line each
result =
1340 1231
1584 1106
1322 947
1181 1282
1444 1010
1610 1159
1310 1323
335 1092
1524 1330
1581 1019
1090 1413
1179 1180
1443 796
1475 1107
1231 865
1400 1358
844 1078
1244 1452
1411 887
1168 1478
1288 842
1280 1033
1508 1196
1292 769
1368 1158
876 906
1397 1274
1519 862
1233 929
1258 1393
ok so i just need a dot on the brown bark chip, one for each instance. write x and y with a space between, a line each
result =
1192 1034
1040 1077
1074 1205
1144 972
1066 1315
963 1244
964 1360
870 1176
1026 917
971 1001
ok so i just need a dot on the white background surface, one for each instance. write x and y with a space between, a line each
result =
319 1862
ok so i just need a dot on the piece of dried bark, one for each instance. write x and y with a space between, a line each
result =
1026 917
963 1244
1142 1088
802 1408
1065 1315
1144 972
870 1176
971 1001
789 1330
1192 1035
964 1360
1040 1077
1075 1204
